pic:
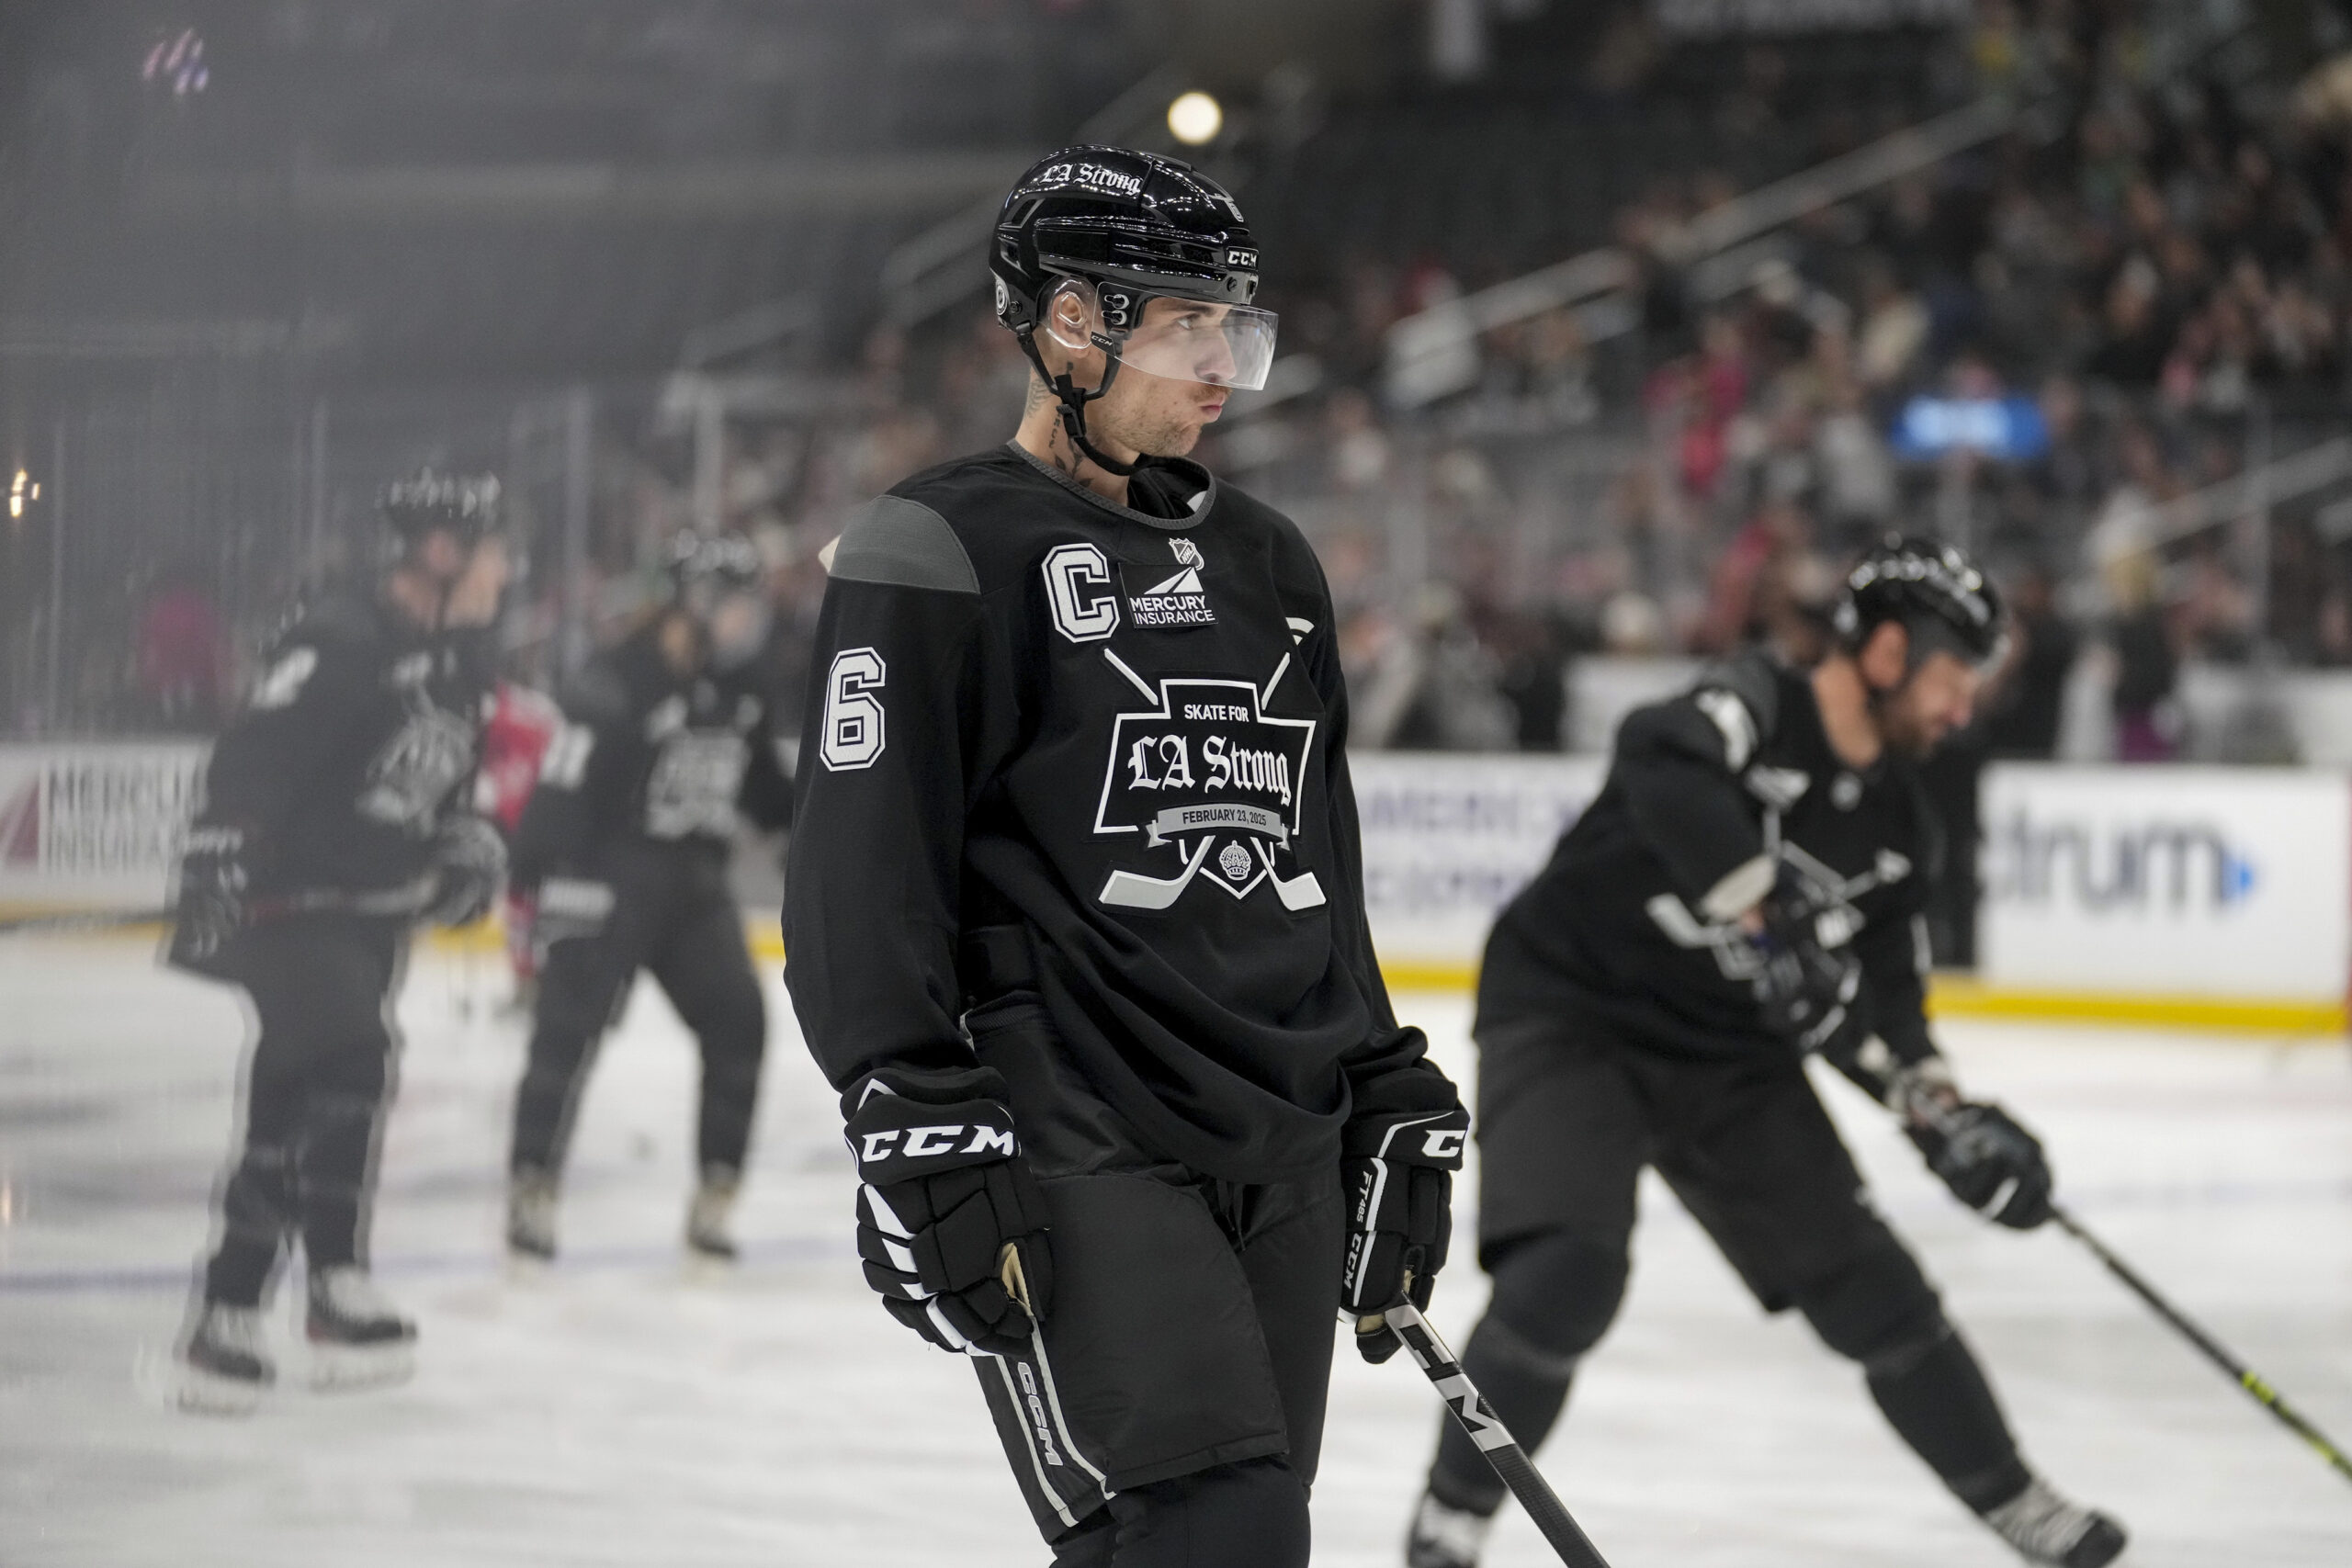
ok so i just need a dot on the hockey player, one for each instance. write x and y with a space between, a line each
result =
336 816
1748 889
626 844
1074 914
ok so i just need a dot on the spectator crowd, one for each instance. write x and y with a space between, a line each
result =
2148 270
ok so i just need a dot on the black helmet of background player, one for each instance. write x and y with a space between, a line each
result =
465 506
1117 229
717 579
1943 600
438 523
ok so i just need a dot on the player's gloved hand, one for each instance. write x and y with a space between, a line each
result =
1809 991
1991 1164
950 1223
1397 1173
212 899
468 861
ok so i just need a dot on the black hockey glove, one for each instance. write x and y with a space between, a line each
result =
1398 1173
1991 1164
950 1224
468 861
1809 991
211 900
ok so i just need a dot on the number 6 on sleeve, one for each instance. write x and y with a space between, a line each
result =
854 727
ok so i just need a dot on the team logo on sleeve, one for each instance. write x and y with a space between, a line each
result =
1211 786
1159 599
416 770
1829 893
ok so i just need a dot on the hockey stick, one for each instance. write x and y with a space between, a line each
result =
1483 1428
1926 1107
410 898
2240 1374
83 920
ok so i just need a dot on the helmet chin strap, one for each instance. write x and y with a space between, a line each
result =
1074 398
1876 697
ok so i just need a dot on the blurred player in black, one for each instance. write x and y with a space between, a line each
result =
625 843
1075 917
337 814
1746 891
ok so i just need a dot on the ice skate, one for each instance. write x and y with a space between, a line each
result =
2047 1528
223 1368
1444 1537
530 1217
358 1339
708 1233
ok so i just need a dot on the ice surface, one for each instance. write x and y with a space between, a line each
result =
623 1409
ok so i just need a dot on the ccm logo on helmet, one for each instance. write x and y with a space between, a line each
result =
1447 1145
927 1141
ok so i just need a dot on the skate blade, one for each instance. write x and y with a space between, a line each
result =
178 1386
529 1267
700 1268
342 1368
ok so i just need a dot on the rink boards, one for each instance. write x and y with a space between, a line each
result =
2211 898
2207 897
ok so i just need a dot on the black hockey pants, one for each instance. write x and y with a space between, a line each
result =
1569 1111
1169 1414
671 914
316 1088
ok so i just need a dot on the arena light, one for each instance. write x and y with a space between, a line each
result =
177 63
18 493
1195 118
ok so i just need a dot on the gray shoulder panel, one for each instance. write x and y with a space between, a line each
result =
906 545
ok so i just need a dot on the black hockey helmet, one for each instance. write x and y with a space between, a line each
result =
465 504
701 568
1944 600
1127 228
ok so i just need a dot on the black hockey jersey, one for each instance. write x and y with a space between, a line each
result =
1710 796
361 738
647 754
1094 752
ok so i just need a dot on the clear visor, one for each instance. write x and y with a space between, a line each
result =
1194 340
1189 340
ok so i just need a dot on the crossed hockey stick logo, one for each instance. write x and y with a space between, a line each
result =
1208 775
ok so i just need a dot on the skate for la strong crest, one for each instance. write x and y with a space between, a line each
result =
1211 785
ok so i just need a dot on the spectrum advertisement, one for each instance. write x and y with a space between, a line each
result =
2191 881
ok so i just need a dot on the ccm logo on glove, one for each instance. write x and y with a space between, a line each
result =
925 1142
897 1139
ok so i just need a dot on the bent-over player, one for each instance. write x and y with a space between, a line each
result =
1748 889
1074 917
624 846
337 816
